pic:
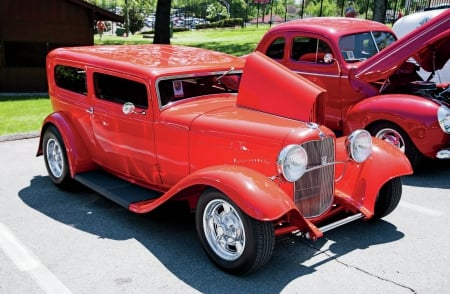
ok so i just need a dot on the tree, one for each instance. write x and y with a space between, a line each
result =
379 10
162 22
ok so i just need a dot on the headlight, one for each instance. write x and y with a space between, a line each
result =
443 116
359 145
292 162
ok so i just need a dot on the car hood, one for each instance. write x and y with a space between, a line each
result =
270 87
428 45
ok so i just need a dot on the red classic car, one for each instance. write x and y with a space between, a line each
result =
372 79
147 124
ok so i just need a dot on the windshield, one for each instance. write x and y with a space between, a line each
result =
179 88
361 46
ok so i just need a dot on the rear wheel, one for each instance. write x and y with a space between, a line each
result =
55 158
234 241
388 198
394 135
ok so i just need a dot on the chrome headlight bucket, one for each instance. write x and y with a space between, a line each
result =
292 162
359 145
443 116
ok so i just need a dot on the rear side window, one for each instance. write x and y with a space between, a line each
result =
120 90
71 78
276 49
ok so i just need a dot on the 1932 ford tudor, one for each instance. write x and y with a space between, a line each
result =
372 79
147 124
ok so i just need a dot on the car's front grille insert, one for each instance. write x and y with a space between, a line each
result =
314 190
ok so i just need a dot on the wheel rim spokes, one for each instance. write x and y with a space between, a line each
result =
224 230
55 158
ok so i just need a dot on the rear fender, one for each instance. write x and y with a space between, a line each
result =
77 154
360 183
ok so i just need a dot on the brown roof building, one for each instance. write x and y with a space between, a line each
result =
29 29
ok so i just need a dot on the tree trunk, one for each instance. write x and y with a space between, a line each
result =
162 22
379 10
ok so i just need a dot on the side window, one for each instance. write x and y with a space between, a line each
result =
276 49
307 49
71 78
120 90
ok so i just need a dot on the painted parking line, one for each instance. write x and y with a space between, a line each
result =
420 209
27 262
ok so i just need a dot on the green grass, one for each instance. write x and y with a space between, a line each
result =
22 115
25 114
235 41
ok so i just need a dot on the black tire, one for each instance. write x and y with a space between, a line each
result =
235 242
388 198
55 158
394 135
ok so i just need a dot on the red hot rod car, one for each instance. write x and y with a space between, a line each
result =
147 124
372 78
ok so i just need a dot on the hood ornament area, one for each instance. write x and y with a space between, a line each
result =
315 126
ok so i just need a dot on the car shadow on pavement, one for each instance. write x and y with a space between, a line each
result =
431 173
169 234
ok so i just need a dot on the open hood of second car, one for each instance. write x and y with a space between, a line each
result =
428 44
270 87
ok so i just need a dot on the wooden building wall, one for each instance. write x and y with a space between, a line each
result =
29 29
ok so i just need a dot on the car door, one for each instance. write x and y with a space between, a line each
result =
306 56
124 142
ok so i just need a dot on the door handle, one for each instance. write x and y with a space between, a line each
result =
90 110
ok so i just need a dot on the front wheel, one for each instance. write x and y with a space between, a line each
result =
394 135
235 242
55 158
388 198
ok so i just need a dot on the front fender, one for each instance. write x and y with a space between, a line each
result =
78 155
254 193
417 116
360 183
407 111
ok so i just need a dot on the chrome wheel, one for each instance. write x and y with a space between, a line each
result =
224 229
54 157
392 137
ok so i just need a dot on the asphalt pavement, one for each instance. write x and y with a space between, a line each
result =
54 241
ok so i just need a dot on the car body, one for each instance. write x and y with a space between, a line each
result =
371 78
147 124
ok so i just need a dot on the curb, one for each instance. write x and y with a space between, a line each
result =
15 137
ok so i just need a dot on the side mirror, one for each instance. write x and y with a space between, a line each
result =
328 58
128 108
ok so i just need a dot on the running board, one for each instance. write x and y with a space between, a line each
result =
120 191
338 223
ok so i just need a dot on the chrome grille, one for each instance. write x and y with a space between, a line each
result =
314 191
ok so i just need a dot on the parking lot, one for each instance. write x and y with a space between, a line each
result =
53 241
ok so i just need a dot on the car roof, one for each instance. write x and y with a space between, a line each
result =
332 26
154 60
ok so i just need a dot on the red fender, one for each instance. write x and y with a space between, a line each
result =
77 153
254 193
359 183
417 116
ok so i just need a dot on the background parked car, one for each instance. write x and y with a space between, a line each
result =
370 78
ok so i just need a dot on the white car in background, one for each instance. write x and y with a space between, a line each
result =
408 23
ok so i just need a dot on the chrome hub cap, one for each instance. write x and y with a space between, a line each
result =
392 137
55 158
224 229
